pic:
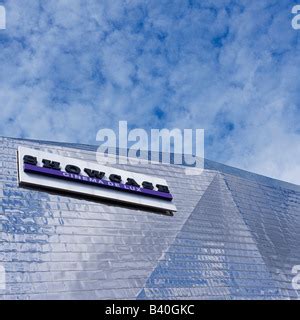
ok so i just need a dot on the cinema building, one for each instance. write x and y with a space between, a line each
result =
71 228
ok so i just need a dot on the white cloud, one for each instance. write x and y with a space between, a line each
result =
69 68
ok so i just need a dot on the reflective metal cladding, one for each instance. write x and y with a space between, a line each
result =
235 234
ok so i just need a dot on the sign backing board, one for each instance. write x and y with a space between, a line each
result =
37 175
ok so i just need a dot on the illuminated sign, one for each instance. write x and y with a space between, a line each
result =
50 170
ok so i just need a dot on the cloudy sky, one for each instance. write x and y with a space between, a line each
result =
71 67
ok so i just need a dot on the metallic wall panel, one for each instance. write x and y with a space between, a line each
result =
235 236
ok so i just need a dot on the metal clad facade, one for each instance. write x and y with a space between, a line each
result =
235 236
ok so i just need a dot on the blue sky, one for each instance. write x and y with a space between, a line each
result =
70 67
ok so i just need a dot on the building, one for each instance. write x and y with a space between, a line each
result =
235 235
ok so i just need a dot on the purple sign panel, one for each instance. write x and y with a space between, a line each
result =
28 168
